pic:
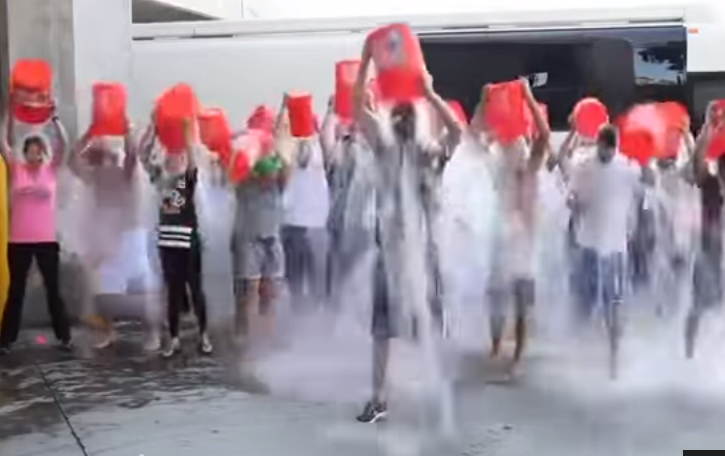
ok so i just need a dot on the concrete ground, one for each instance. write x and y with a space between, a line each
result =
126 403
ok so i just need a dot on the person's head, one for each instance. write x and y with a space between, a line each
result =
100 154
34 150
403 119
666 163
176 163
606 143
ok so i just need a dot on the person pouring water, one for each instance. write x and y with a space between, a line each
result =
400 142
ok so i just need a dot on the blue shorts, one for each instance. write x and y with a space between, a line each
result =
597 274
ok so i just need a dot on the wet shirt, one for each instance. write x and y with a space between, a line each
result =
32 203
431 164
306 198
178 223
607 193
259 211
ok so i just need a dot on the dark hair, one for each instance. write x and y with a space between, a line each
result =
403 110
607 136
33 141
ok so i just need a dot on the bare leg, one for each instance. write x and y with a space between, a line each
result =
381 355
246 306
267 297
497 320
524 295
692 326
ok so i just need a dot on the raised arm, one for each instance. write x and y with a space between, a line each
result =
328 138
130 148
364 115
145 150
712 122
541 141
454 129
562 159
76 163
6 133
60 145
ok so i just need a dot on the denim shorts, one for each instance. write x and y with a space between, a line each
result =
597 274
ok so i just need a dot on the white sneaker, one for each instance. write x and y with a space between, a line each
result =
205 346
173 348
152 342
106 340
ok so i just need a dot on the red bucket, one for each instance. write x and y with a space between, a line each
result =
301 115
32 75
31 85
262 118
676 119
214 129
239 167
345 76
505 111
642 133
32 114
399 62
109 109
589 116
530 124
175 107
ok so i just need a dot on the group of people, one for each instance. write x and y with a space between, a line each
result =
353 186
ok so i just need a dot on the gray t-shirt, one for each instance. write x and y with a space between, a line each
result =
259 210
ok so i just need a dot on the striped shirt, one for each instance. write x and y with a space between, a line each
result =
178 224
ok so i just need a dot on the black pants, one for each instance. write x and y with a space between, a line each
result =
20 258
299 262
181 268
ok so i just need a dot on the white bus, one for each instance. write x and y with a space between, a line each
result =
621 56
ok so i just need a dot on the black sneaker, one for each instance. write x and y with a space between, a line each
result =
67 345
373 412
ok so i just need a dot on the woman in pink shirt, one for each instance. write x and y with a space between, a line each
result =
32 194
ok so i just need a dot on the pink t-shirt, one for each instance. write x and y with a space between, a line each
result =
32 204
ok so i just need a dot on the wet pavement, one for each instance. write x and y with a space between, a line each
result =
125 402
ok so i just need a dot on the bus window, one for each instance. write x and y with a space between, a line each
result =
558 71
620 66
704 87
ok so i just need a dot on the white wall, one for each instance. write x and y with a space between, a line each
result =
238 74
100 56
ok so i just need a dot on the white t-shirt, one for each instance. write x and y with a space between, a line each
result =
606 193
307 199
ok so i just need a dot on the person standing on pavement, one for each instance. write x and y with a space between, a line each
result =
400 143
33 228
258 260
304 237
604 191
179 240
707 283
115 249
